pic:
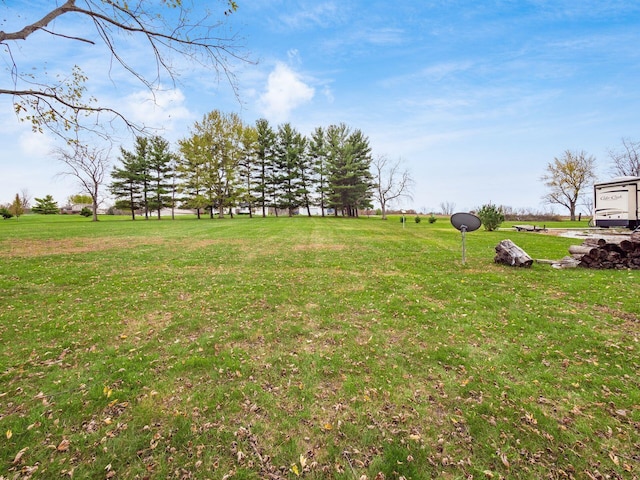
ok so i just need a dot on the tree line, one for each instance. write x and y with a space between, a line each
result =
225 164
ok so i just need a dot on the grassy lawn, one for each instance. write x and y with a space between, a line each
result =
312 348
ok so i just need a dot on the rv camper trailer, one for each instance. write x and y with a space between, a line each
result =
616 202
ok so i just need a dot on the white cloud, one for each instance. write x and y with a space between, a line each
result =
317 14
285 91
161 109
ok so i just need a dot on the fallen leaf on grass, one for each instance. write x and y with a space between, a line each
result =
18 458
64 445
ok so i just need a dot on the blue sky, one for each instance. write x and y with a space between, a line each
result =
475 98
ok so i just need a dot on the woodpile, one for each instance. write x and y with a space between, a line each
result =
603 254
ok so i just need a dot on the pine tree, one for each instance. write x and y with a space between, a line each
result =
348 161
247 169
318 161
265 173
46 206
289 158
126 186
159 171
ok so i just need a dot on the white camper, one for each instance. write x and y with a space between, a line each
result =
616 202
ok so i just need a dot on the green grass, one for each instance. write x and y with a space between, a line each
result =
319 348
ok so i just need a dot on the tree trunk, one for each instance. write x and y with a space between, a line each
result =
580 249
509 253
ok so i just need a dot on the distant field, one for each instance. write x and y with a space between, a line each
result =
309 348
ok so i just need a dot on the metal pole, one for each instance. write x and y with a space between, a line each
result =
463 229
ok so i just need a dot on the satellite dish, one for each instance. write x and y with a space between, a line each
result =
465 222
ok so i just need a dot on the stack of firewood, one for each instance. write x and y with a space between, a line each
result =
612 253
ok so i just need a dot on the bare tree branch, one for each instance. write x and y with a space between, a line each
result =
626 162
166 28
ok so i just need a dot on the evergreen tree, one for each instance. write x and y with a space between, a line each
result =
46 206
318 161
159 172
126 185
247 169
348 161
265 174
5 213
289 156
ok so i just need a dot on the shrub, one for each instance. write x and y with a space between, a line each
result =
491 216
432 218
86 212
418 219
5 213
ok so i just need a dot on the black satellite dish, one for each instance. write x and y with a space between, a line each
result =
465 222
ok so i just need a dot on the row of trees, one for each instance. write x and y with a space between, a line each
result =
225 164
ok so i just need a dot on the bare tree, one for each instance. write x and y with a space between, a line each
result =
166 28
626 161
25 198
567 177
391 182
89 166
447 208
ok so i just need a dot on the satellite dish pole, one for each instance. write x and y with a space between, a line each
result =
463 230
465 222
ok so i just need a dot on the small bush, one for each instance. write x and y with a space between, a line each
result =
491 216
5 213
418 219
432 218
86 212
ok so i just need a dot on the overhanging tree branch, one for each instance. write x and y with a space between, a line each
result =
166 28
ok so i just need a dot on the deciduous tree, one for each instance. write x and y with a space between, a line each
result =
17 207
567 178
391 181
216 145
89 166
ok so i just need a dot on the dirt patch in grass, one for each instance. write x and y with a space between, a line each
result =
318 246
39 248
